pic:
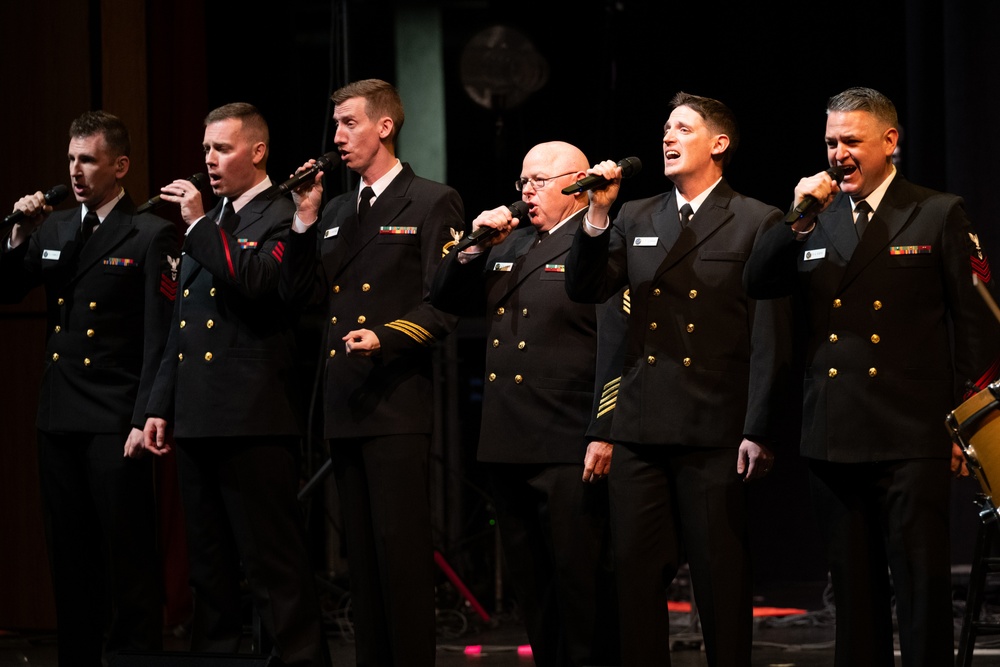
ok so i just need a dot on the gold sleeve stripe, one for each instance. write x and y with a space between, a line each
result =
609 397
627 302
414 331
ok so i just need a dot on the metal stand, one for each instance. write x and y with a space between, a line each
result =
983 564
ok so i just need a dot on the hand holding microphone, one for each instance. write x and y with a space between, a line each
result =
199 181
325 163
630 166
485 233
31 206
813 194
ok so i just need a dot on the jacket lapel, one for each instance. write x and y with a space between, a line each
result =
888 221
711 215
115 228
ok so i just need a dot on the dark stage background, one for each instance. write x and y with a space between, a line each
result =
597 74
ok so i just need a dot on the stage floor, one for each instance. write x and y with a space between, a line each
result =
465 639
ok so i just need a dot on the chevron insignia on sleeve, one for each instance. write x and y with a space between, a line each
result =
168 287
609 397
980 266
414 331
279 251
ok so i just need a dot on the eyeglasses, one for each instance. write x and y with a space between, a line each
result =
537 183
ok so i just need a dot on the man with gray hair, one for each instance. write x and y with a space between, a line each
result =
881 272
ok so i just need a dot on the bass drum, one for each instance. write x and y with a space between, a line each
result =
975 427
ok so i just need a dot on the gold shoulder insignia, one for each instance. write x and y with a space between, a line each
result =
975 240
456 236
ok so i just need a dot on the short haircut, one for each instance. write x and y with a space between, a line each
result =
254 126
718 117
381 99
101 122
865 99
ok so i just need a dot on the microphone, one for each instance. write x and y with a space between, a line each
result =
808 205
197 179
630 167
518 210
53 197
325 162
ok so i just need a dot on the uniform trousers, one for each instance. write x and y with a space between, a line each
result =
100 519
241 508
556 544
671 504
882 517
382 483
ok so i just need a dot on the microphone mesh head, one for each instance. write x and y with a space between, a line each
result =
56 194
630 166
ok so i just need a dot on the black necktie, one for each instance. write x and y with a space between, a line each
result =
365 203
541 237
227 219
685 214
89 224
864 211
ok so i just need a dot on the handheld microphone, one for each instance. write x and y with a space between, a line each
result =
198 180
518 210
325 163
808 205
54 197
630 167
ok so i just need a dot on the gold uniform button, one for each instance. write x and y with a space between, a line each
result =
652 326
211 292
333 320
690 328
180 357
90 333
524 312
183 323
61 301
55 356
336 289
833 338
187 293
877 305
872 372
686 361
837 303
692 294
656 291
58 328
366 287
651 360
832 372
500 310
333 353
496 342
93 305
210 324
520 345
208 356
518 379
876 339
493 376
86 361
361 319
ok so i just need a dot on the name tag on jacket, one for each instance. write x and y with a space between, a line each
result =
51 254
330 233
503 266
818 253
644 241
